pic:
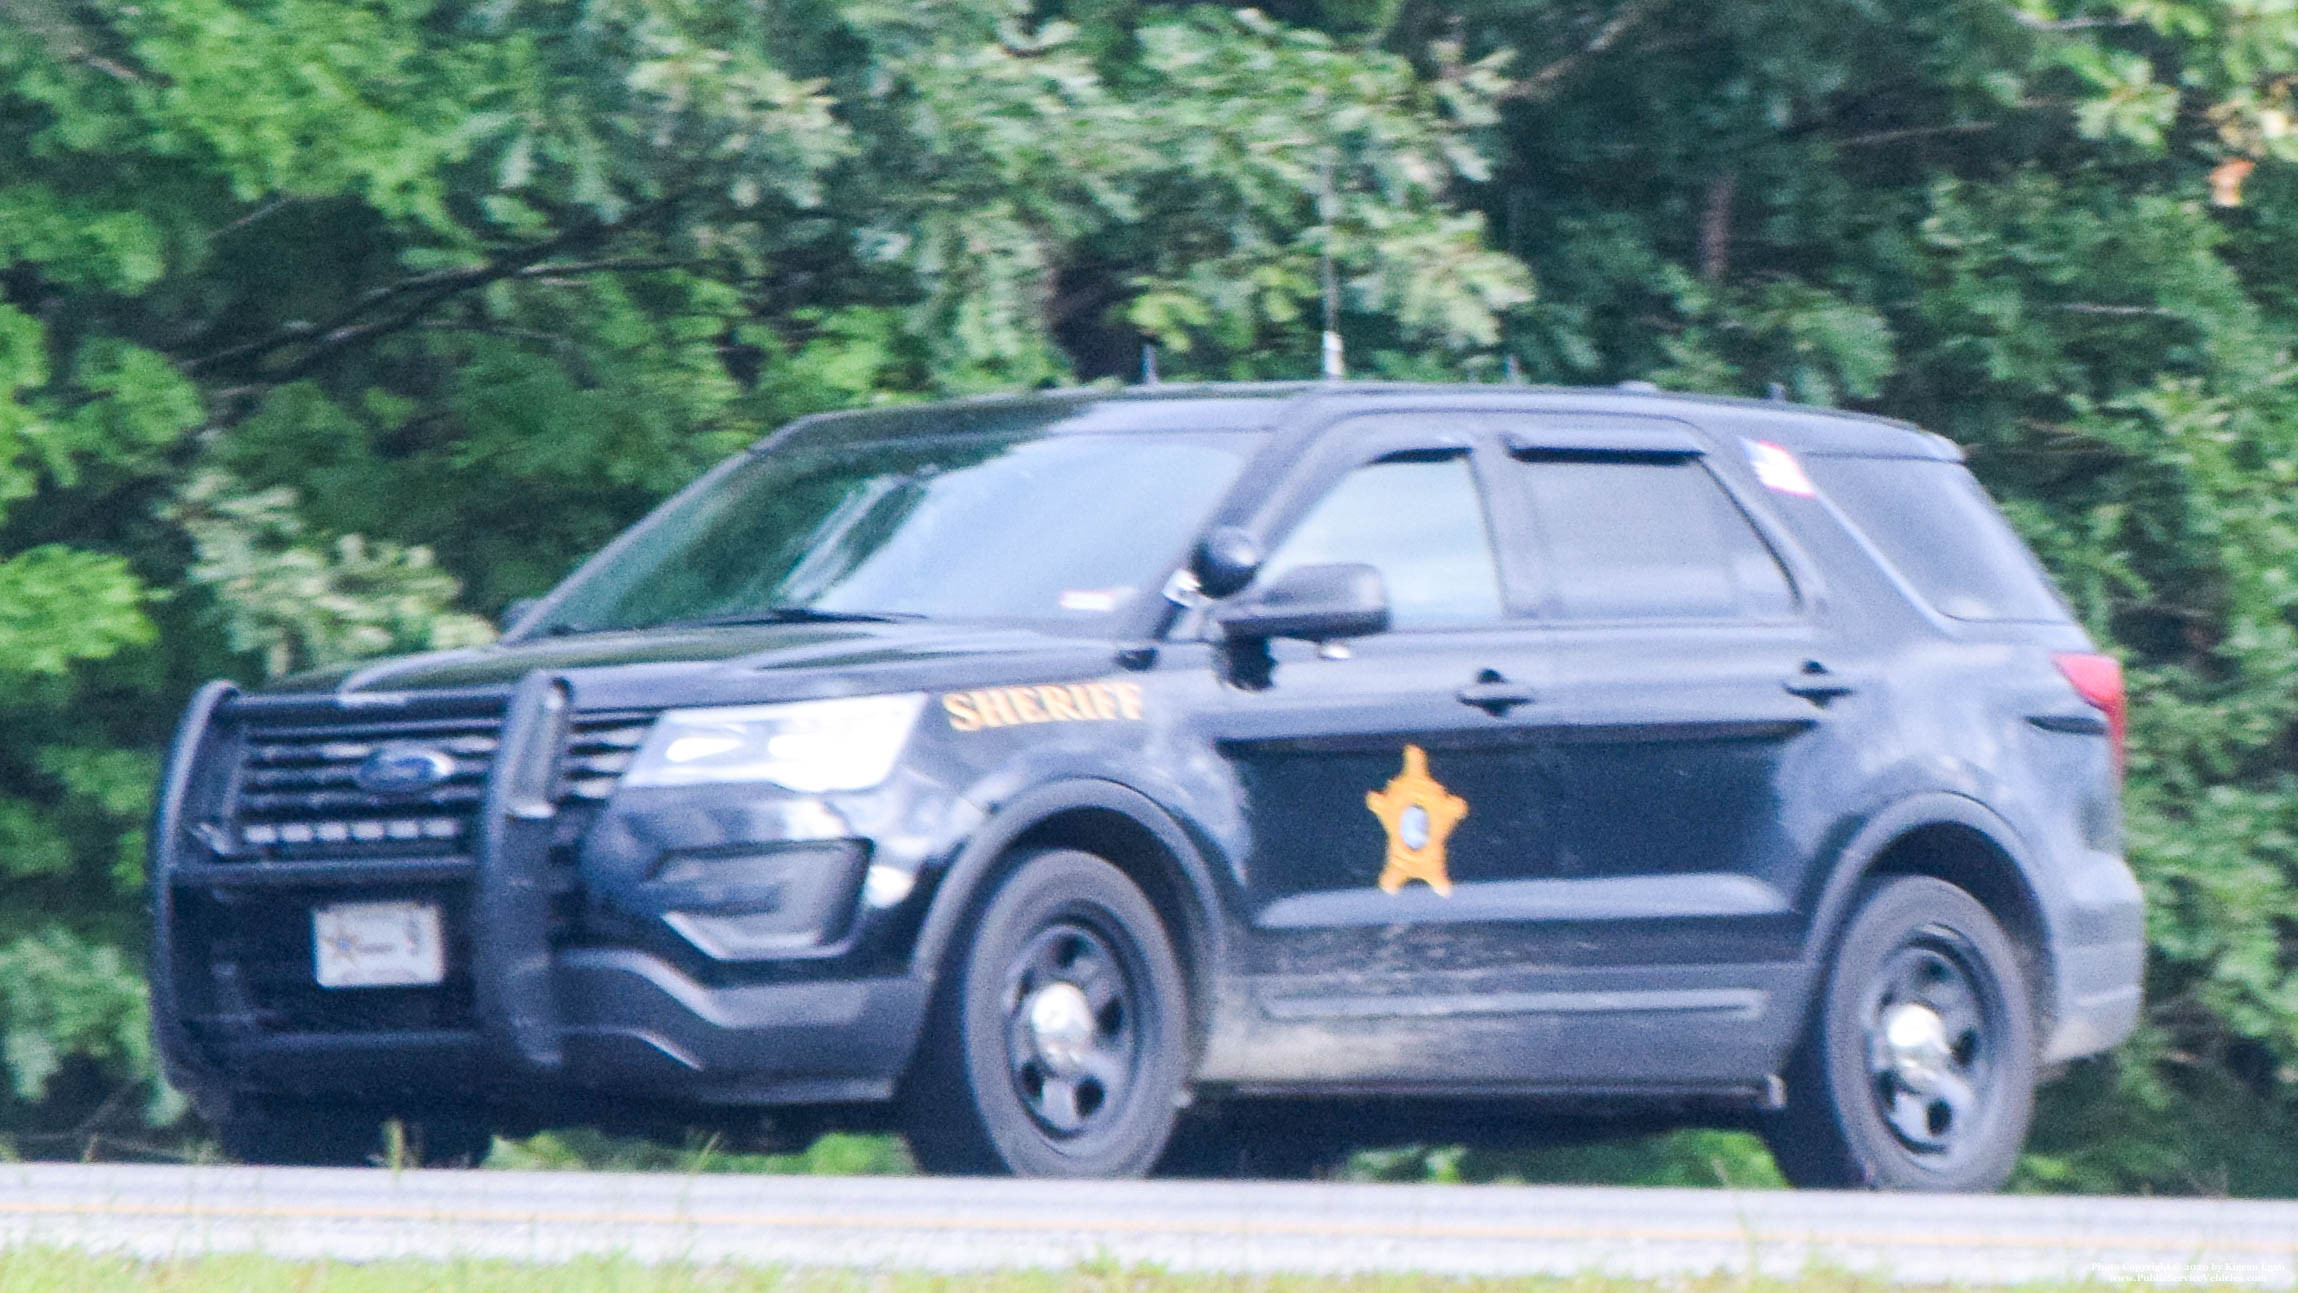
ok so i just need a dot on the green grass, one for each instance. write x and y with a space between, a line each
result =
579 1150
54 1271
1693 1157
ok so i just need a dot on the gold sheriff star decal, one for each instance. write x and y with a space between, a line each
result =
1418 813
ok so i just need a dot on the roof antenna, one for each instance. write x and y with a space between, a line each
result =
1148 364
1335 365
1511 371
1778 393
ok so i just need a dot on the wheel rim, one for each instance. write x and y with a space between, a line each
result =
1072 1028
1933 1028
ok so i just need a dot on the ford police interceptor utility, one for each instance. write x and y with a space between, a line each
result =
1089 781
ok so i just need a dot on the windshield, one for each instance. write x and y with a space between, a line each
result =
1061 529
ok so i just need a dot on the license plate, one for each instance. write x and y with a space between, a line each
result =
378 944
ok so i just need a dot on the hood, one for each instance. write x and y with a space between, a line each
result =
719 652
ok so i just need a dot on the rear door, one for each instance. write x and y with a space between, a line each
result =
1688 692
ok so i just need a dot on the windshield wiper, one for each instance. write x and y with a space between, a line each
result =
790 615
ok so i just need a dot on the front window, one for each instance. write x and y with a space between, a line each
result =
1060 529
1418 519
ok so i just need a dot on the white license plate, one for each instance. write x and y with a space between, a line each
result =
378 944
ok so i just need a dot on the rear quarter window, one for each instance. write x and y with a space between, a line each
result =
1934 526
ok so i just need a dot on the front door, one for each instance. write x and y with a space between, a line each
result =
1387 784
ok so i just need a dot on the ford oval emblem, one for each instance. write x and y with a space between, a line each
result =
403 770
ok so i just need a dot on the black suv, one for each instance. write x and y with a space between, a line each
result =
1204 777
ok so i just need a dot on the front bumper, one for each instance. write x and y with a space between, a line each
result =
630 1025
529 1014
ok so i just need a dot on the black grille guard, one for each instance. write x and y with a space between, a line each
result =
178 1060
515 1006
510 910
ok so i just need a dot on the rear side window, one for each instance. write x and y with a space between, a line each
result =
1936 528
1647 538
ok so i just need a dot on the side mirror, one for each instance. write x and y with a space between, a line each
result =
1320 603
1225 561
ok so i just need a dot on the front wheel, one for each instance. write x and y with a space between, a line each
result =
1057 1042
1917 1070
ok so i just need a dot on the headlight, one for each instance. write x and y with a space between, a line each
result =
812 746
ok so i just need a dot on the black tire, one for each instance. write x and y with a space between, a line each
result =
1917 1068
296 1133
1057 1044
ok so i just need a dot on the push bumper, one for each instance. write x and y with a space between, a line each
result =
542 1022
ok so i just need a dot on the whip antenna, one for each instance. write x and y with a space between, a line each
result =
1335 365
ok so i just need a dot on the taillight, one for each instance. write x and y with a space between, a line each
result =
2098 678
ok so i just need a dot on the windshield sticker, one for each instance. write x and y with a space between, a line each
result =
1067 702
1418 813
1778 469
1099 601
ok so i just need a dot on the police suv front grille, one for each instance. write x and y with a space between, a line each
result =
297 794
292 795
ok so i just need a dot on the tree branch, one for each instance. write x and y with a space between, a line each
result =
1715 226
2120 311
567 269
261 212
1541 83
2032 23
1873 138
492 330
359 322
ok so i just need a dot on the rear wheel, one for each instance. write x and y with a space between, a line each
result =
1057 1042
1917 1071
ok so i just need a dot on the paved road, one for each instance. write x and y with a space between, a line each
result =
948 1224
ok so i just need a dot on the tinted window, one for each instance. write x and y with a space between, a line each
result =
1057 529
1933 523
1648 539
1421 523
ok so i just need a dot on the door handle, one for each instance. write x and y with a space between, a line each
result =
1494 694
1815 683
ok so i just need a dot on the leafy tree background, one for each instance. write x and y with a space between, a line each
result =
329 327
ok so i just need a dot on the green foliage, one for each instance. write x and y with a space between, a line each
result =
838 1153
1695 1157
328 327
62 997
296 604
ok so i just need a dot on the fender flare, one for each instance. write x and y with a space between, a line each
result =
980 864
1856 859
